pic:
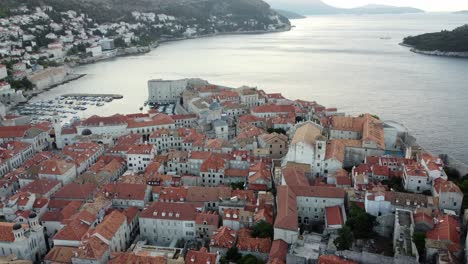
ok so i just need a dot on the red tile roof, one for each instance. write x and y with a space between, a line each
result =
278 251
334 215
156 120
55 167
13 131
41 186
60 254
92 248
210 218
171 194
273 108
77 227
132 258
252 244
104 121
295 177
236 173
125 191
213 163
441 185
448 230
287 209
330 259
76 191
141 149
224 237
40 203
200 257
208 194
6 232
170 211
111 224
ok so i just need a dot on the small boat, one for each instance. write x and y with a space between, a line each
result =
100 104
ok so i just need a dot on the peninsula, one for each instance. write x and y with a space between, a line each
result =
212 174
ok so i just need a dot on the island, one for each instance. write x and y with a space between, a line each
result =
462 12
445 43
318 7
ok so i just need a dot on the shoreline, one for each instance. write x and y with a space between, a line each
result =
143 50
438 53
68 78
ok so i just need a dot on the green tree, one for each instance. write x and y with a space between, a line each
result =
23 84
299 119
360 222
233 254
262 229
237 185
452 173
276 130
249 259
395 183
419 239
344 241
120 43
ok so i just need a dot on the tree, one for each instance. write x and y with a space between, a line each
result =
237 185
262 229
249 259
344 241
233 254
394 183
23 84
361 223
120 43
299 119
276 130
419 239
452 174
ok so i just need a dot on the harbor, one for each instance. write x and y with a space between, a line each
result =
69 107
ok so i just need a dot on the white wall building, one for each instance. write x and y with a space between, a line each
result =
161 223
25 241
165 92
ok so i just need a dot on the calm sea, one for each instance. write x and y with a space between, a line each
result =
351 62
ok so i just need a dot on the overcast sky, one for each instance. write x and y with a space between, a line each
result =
428 5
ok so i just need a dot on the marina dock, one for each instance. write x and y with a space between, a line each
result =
82 95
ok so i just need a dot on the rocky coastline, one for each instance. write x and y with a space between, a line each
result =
436 52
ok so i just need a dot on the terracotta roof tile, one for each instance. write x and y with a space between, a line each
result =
60 254
76 191
170 211
111 224
55 167
41 186
224 237
132 258
331 259
6 232
200 257
125 191
334 215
